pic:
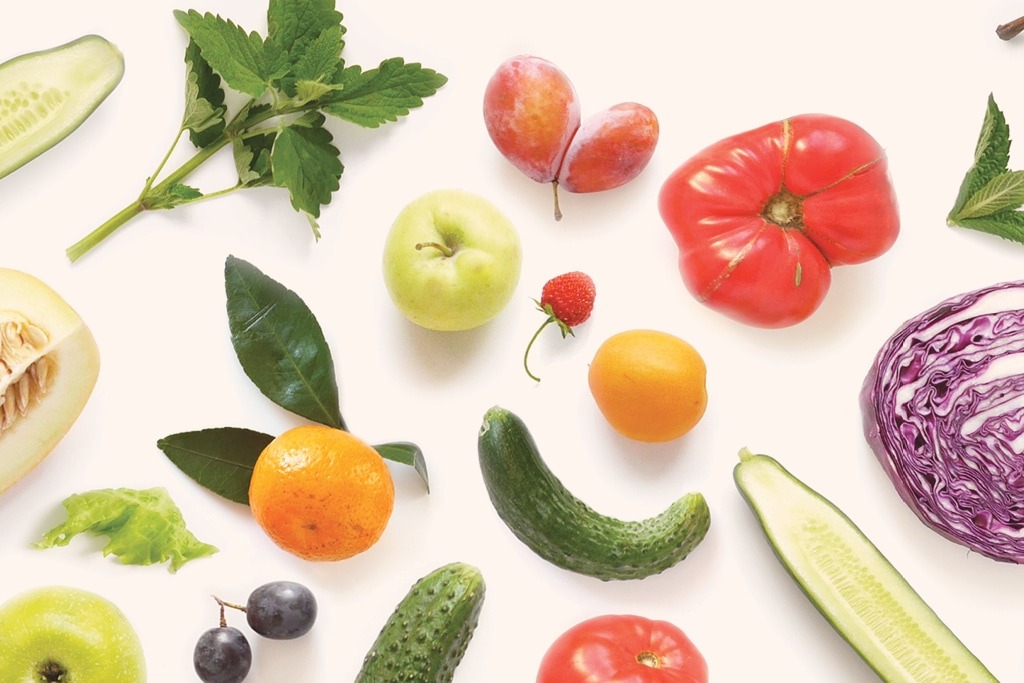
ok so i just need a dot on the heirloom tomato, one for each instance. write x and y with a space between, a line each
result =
761 217
623 648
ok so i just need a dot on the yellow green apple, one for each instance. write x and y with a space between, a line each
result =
452 260
62 633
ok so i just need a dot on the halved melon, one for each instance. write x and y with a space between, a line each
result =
49 363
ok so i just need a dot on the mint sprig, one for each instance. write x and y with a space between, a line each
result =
991 195
288 81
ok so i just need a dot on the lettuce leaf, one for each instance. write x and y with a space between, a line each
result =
143 527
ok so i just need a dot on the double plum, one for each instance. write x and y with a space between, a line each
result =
532 114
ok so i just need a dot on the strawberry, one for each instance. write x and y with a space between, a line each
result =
567 300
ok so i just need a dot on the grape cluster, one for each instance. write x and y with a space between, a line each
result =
280 610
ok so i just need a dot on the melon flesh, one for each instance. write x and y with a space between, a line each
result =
49 363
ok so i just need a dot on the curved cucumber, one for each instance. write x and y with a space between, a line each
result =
428 633
46 95
851 583
564 530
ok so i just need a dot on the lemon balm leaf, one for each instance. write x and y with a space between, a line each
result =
220 459
305 162
143 527
377 96
238 56
280 344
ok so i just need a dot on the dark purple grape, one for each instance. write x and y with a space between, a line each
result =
281 610
222 655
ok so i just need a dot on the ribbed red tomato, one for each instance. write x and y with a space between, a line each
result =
623 648
761 217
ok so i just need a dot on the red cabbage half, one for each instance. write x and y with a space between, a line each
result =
943 409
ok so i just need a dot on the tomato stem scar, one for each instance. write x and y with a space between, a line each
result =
648 658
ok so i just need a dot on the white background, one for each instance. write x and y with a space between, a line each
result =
915 75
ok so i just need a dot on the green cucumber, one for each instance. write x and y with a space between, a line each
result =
46 95
851 583
564 530
428 633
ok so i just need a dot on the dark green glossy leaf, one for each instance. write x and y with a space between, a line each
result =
280 344
220 459
407 454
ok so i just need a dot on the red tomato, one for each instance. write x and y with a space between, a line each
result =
621 648
761 217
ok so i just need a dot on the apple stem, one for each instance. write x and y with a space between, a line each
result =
1010 29
558 209
443 248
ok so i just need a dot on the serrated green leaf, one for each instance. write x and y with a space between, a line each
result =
219 459
1005 191
234 54
204 99
280 344
293 24
174 195
252 159
1009 225
405 453
375 97
307 164
142 527
991 156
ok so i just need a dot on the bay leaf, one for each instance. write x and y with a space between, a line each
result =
280 344
220 459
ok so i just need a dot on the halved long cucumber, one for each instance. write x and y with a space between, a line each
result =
851 583
46 95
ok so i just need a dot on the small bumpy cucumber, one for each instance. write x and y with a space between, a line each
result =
46 95
851 583
564 530
428 633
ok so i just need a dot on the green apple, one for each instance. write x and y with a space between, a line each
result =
59 633
451 260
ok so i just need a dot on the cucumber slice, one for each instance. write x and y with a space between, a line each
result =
46 95
851 583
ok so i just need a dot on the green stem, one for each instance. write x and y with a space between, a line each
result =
526 355
163 162
93 239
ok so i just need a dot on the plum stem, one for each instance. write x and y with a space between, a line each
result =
558 209
1010 29
443 248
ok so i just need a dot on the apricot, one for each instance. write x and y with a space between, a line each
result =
49 363
531 112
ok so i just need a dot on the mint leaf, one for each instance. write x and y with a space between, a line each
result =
252 159
372 98
991 156
1005 191
236 55
172 196
204 99
307 164
302 31
143 527
1009 225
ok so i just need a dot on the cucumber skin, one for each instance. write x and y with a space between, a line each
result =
963 659
564 530
50 136
428 633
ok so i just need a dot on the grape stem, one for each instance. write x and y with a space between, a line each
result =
223 604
